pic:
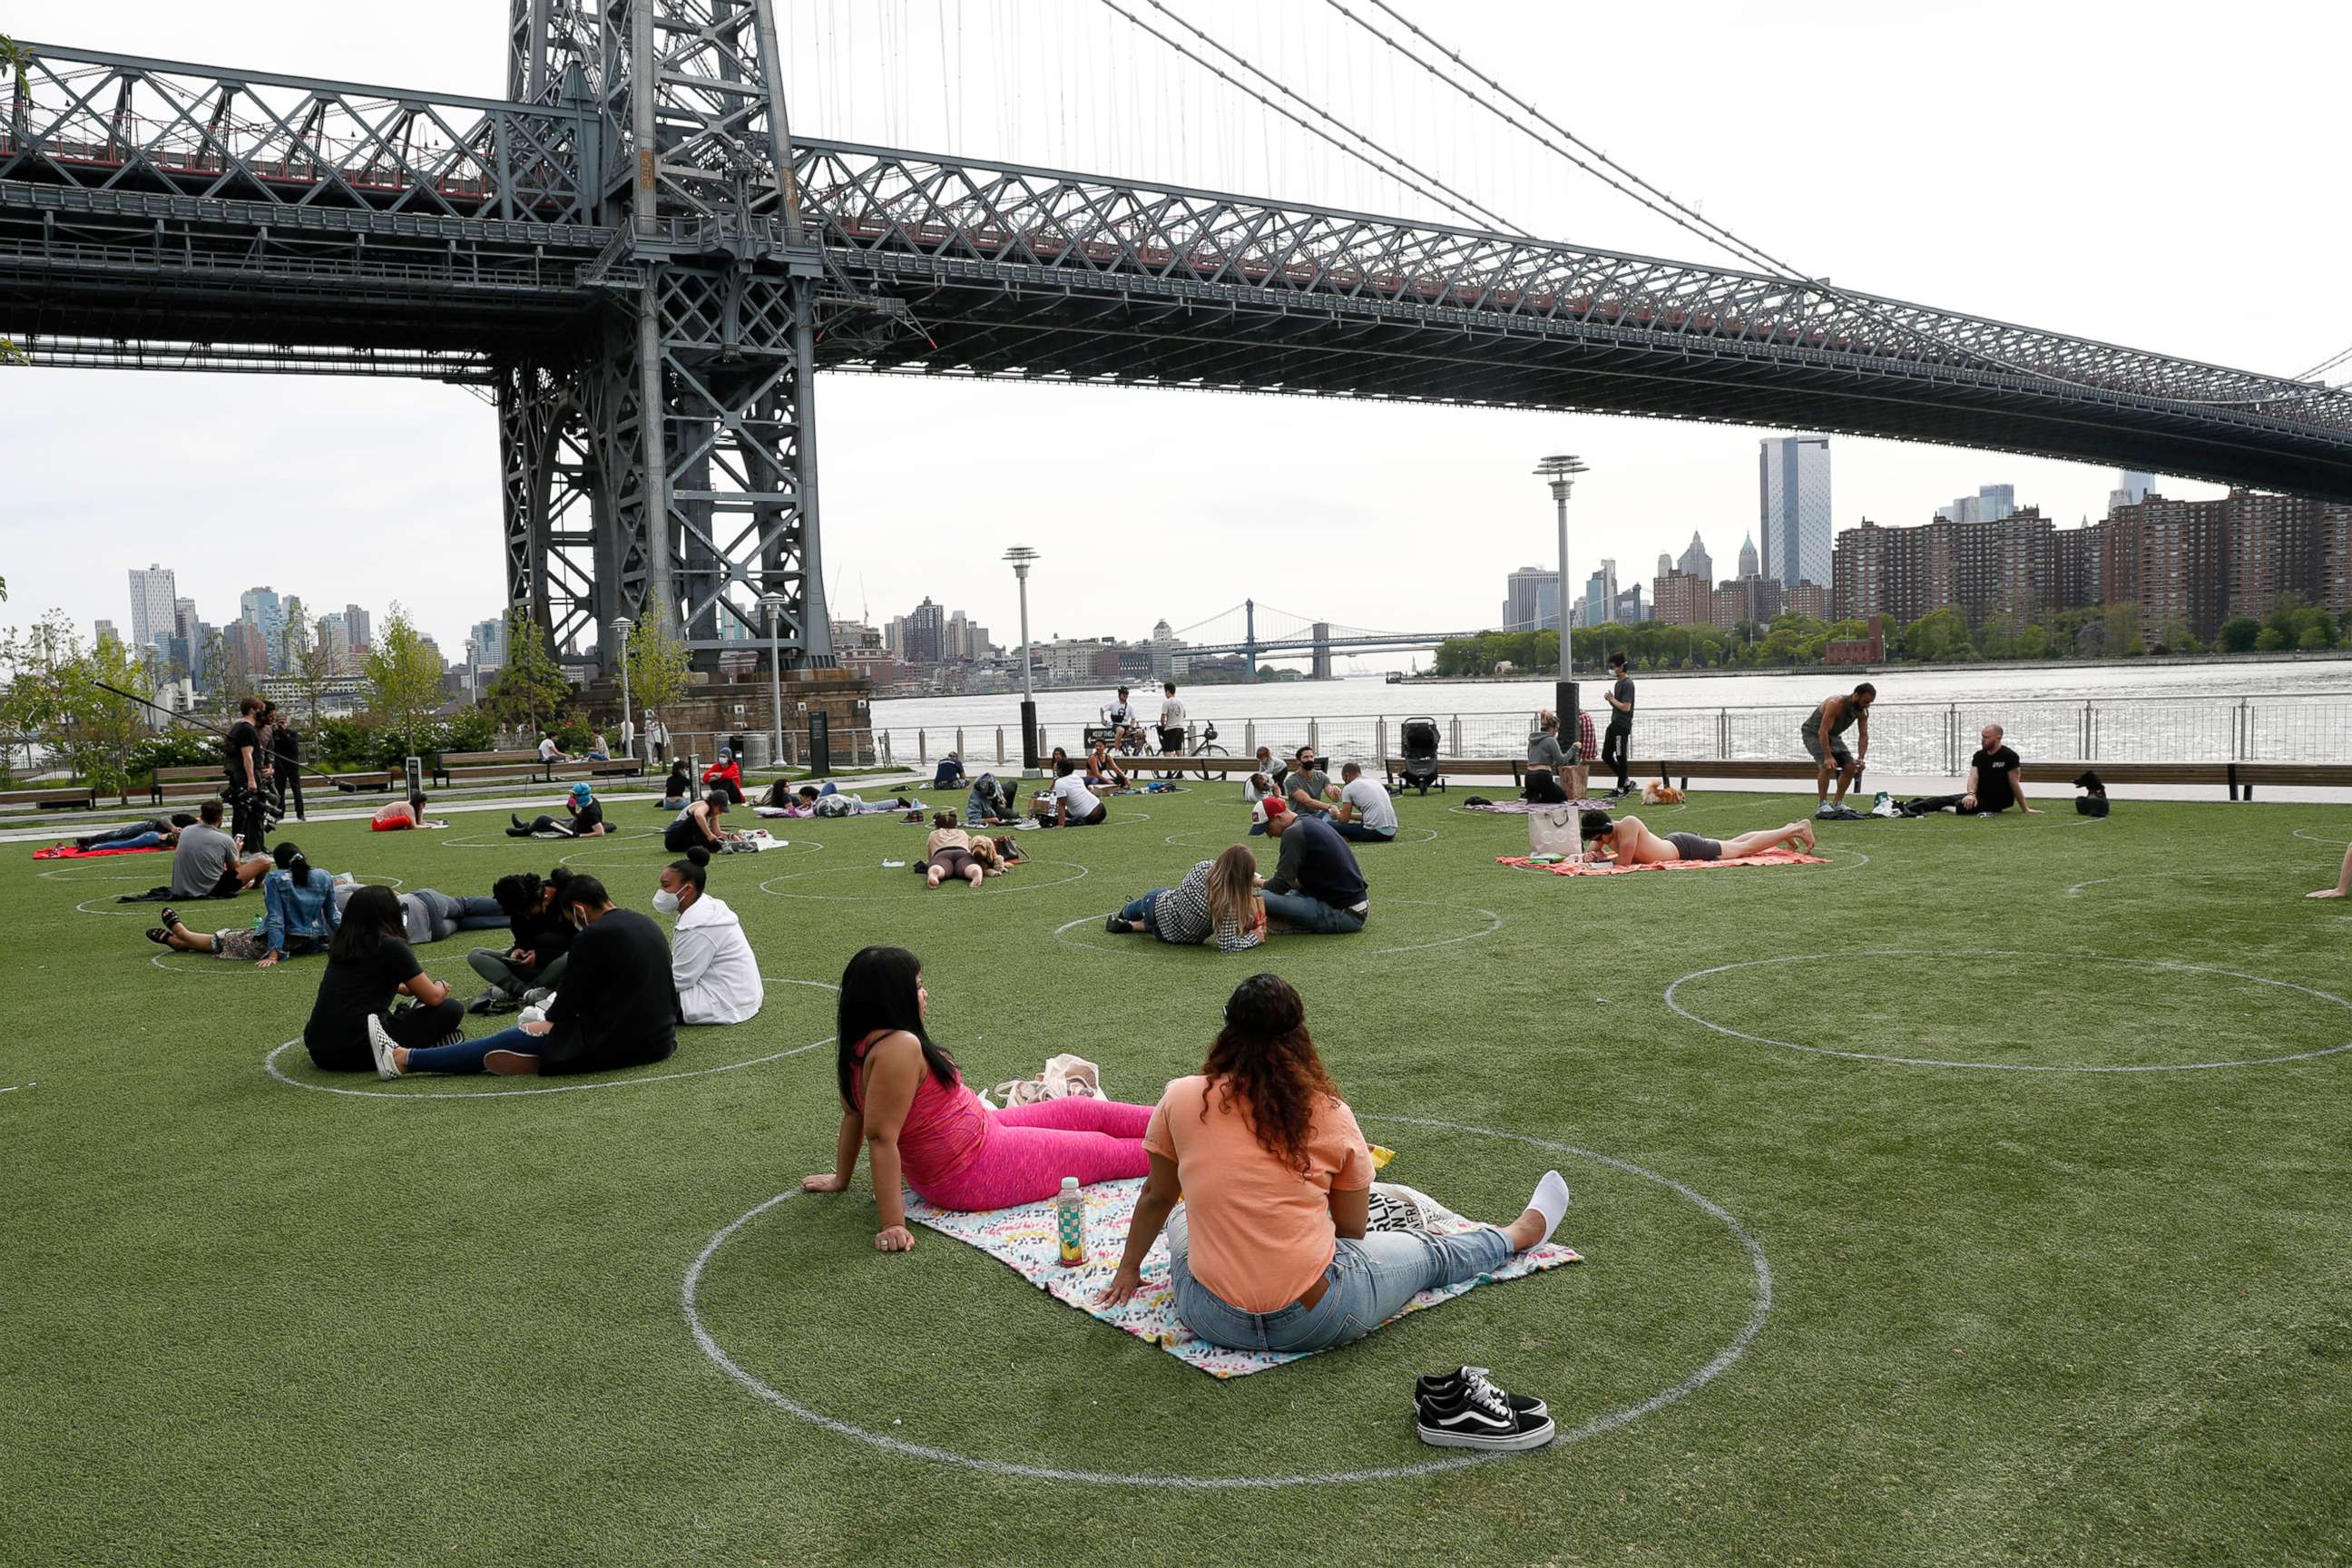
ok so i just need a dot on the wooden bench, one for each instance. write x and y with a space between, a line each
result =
80 796
456 767
618 768
184 782
2292 776
353 784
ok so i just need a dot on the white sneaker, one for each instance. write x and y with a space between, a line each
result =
379 1045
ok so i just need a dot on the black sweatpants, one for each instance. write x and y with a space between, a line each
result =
413 1028
1615 743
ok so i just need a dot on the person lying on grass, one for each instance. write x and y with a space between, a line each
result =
616 1008
1267 1248
1628 841
154 832
712 962
1217 900
903 1099
586 815
299 915
947 854
369 966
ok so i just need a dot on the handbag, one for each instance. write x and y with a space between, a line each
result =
1553 830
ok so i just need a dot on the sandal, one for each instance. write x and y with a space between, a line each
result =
158 936
171 916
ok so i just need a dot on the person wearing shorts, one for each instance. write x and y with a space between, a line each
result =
1822 732
1628 841
947 854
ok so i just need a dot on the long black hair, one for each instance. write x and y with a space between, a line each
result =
372 915
292 861
879 992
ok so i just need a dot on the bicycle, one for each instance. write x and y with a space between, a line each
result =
1206 749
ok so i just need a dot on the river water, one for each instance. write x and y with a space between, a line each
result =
1925 721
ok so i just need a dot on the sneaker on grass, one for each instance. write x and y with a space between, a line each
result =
1449 1388
1481 1418
379 1045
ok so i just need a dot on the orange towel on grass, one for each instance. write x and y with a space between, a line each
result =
1570 868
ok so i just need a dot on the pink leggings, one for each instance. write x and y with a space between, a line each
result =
1027 1150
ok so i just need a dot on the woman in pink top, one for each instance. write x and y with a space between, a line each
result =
902 1096
1268 1250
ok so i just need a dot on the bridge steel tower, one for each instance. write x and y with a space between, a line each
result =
666 469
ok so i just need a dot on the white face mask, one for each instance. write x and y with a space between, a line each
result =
664 902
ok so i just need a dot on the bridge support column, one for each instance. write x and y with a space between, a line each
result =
1322 667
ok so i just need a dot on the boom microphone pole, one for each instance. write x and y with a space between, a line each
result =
187 719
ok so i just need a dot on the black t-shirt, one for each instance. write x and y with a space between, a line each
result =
1996 779
349 992
1624 692
618 1006
589 817
242 735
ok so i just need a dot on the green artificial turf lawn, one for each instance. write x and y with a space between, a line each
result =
2015 1316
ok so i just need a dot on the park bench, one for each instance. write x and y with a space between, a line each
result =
353 784
618 768
2292 776
467 767
184 782
77 796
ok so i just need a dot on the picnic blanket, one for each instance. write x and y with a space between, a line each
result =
1570 868
76 852
1024 1240
1521 807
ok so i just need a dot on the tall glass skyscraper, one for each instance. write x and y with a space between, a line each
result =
1793 508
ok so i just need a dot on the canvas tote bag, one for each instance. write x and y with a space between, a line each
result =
1551 830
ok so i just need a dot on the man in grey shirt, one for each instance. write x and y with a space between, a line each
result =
1308 787
206 866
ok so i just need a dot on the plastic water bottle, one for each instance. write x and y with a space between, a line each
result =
1070 1220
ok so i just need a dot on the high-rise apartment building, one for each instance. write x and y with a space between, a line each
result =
1749 566
925 634
486 642
1679 598
2131 489
355 626
266 614
1696 562
1531 599
155 598
103 632
1793 508
2273 545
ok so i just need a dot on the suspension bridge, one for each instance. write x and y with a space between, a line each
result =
635 256
1320 639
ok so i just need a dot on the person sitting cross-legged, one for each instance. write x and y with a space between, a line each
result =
1261 1181
712 962
1364 814
949 773
1628 841
616 1009
542 946
1217 900
204 863
1317 886
370 966
584 812
1307 787
726 773
904 1101
1069 804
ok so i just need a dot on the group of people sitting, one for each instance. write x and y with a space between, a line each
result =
1356 808
1253 1168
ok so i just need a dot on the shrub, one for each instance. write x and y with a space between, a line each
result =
171 748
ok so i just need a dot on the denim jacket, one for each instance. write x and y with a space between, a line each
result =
291 909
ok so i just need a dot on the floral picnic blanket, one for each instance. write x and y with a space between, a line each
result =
1024 1240
1570 868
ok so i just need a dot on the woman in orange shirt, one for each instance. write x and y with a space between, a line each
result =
1268 1250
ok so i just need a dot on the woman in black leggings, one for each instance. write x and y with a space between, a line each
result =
697 824
369 965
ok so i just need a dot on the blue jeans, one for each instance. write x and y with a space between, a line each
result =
466 1054
1141 910
137 841
1361 833
1368 1283
1305 912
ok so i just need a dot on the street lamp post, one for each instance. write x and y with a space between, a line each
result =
1561 471
1021 555
774 605
628 722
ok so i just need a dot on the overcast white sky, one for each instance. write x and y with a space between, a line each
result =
2155 174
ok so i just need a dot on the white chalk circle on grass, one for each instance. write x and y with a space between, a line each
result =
269 1064
1759 1307
1190 839
1945 954
2319 838
912 886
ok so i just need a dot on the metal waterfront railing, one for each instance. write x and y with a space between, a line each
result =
1916 737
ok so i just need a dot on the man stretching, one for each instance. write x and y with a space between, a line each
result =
1628 841
1619 740
1995 784
1821 733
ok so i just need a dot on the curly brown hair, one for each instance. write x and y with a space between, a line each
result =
1264 1058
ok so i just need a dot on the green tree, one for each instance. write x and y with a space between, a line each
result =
659 666
2270 640
102 728
529 691
404 684
312 663
2238 634
2315 639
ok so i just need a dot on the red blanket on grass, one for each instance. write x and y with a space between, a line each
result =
76 852
1570 868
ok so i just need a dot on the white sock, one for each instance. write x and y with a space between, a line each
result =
1550 1199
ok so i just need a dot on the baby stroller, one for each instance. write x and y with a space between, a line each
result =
1418 766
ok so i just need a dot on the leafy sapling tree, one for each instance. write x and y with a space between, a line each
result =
404 684
530 690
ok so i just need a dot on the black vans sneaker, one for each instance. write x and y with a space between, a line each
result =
1481 1418
1448 1388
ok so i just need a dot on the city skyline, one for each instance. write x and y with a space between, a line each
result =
1370 480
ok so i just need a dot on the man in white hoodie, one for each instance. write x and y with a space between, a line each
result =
711 963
